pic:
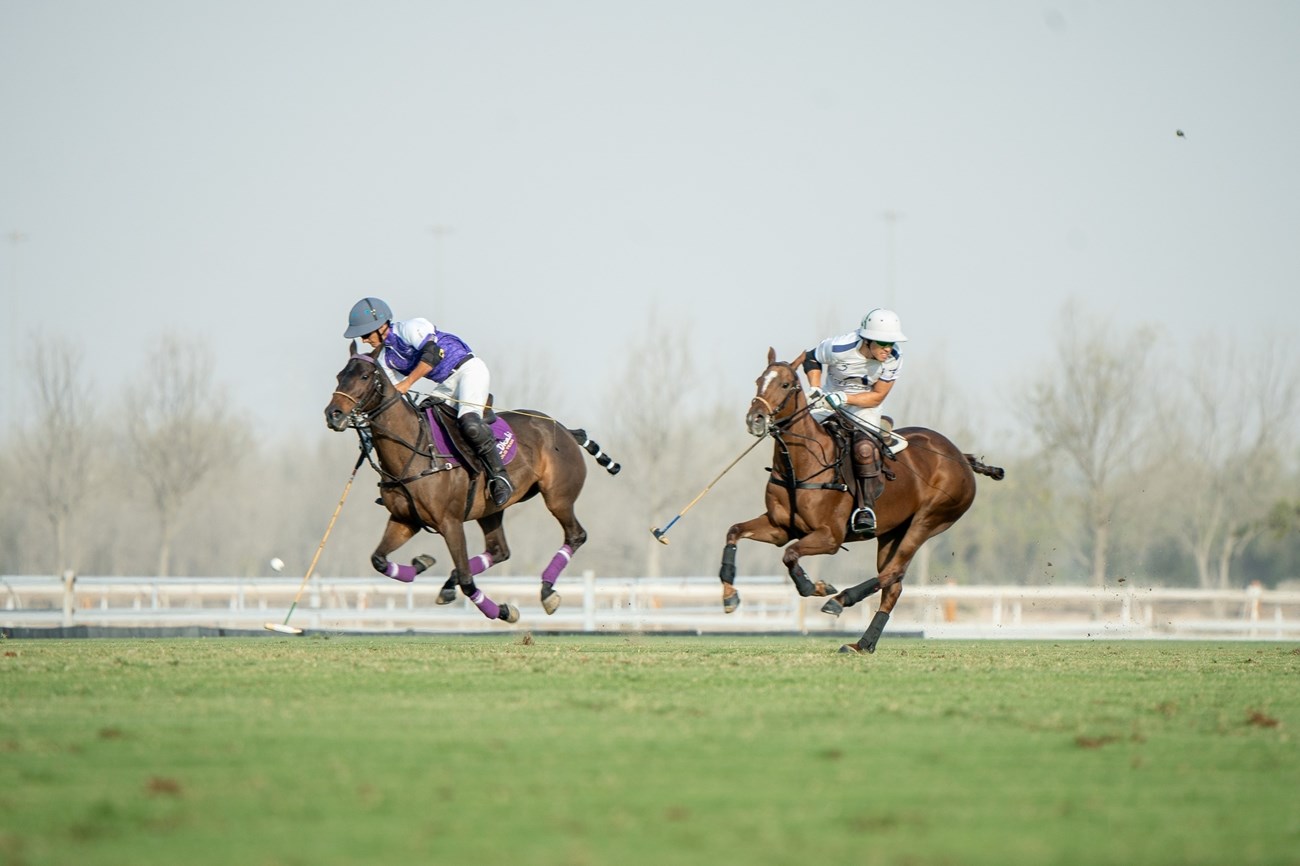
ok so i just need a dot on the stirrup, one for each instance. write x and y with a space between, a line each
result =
863 520
500 488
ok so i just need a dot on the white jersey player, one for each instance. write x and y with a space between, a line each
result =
852 374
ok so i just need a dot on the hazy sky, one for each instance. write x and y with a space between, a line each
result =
539 177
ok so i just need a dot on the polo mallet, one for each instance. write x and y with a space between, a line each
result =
660 533
284 627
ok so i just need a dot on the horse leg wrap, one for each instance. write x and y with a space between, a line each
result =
489 608
855 594
480 563
801 582
872 635
557 564
404 573
727 574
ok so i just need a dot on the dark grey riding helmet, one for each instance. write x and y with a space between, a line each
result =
366 316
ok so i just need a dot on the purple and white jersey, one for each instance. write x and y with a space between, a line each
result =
407 339
846 369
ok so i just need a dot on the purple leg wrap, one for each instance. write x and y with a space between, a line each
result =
480 563
397 571
558 561
485 604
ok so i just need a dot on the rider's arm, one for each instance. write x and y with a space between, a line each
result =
811 367
422 369
870 399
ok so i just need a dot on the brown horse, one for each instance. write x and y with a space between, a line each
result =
424 489
928 486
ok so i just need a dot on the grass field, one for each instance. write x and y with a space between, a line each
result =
646 750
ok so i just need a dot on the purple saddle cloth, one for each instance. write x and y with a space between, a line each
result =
507 446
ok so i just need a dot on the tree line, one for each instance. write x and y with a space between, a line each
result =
1130 461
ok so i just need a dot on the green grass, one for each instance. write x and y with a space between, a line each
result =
646 750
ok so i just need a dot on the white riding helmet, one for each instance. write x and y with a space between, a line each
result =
882 326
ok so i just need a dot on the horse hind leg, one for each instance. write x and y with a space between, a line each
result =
870 637
561 506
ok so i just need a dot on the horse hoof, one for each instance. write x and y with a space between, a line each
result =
822 589
550 601
446 595
851 648
833 607
730 602
509 613
423 563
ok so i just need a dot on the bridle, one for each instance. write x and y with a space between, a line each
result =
359 416
773 411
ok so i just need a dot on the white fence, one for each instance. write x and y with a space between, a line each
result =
692 605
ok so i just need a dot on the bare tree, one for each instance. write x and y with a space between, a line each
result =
1230 481
1093 412
180 429
56 450
651 402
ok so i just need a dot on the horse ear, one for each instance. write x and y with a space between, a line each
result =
771 356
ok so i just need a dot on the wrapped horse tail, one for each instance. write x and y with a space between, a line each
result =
594 450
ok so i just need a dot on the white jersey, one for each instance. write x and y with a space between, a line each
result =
846 369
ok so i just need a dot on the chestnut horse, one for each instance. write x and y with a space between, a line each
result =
928 486
424 489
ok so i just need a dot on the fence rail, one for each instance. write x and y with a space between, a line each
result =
688 604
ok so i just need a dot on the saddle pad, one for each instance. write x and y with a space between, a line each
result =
507 446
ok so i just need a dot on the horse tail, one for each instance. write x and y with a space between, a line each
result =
994 472
594 450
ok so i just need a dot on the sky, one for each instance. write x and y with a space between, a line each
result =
563 183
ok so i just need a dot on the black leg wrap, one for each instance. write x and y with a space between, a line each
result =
871 636
466 581
801 582
855 594
728 571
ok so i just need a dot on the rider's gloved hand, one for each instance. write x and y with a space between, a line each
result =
814 394
835 399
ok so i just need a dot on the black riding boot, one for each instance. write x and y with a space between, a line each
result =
866 467
480 438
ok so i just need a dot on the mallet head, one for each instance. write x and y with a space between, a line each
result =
282 628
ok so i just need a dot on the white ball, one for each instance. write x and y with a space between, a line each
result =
277 564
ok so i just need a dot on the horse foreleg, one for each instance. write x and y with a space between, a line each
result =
760 528
822 541
496 551
453 532
397 533
870 637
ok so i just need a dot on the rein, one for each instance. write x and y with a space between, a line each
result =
787 477
365 423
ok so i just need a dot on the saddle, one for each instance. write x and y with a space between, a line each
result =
887 442
447 440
